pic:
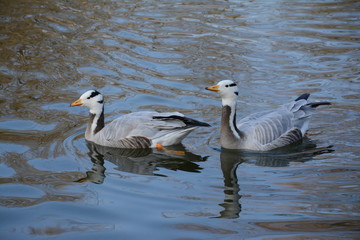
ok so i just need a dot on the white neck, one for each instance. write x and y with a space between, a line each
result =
97 110
231 102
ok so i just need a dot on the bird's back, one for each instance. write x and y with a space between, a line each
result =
265 128
150 126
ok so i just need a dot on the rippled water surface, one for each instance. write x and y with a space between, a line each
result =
160 55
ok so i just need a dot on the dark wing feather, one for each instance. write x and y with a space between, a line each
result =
189 122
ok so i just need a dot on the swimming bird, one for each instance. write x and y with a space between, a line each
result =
262 131
146 129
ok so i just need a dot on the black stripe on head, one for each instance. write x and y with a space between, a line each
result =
231 85
101 101
93 94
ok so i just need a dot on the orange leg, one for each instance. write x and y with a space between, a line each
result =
161 147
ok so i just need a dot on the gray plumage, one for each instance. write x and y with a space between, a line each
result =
135 130
262 131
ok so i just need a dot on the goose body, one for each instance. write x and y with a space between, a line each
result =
262 131
143 129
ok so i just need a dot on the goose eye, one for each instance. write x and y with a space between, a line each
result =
226 85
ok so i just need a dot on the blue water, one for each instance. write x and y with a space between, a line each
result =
160 55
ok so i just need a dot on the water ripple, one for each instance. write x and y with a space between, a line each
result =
159 55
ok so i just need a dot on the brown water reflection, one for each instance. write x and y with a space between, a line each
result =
159 55
38 186
313 226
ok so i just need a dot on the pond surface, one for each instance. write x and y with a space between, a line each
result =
160 55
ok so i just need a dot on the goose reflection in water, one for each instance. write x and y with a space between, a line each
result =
231 159
144 161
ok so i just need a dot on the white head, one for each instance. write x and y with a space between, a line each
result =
228 91
91 99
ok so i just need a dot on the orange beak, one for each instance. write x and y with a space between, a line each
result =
215 88
76 103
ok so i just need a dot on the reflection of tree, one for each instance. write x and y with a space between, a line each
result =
139 161
231 159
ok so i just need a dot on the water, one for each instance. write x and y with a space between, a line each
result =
160 55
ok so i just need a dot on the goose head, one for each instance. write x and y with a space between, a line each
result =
228 91
92 99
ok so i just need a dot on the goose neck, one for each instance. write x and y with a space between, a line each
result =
95 124
230 135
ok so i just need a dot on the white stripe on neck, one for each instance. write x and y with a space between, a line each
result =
97 113
232 104
94 124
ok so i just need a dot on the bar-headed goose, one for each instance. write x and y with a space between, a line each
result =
147 129
262 131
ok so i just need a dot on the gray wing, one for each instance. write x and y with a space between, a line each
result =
140 124
137 130
275 128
